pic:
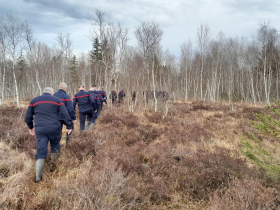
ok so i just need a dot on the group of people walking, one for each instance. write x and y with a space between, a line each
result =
50 111
114 96
159 95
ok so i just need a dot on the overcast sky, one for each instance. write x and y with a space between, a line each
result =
178 18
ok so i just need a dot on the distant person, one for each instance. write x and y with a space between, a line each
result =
146 96
113 96
166 96
96 91
46 110
102 96
96 98
133 95
65 98
105 96
86 105
121 96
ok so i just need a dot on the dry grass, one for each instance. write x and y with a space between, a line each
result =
188 158
15 171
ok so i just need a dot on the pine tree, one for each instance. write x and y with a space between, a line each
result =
95 53
21 63
95 57
75 77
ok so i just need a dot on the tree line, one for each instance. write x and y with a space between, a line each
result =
213 68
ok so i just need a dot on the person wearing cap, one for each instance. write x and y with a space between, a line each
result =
45 111
86 105
65 98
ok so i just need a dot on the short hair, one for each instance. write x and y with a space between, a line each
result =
93 86
62 85
48 90
82 86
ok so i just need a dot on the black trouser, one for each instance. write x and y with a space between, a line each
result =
45 135
83 115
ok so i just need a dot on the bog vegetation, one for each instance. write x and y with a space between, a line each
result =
198 155
219 150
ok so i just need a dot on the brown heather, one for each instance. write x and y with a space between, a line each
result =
188 158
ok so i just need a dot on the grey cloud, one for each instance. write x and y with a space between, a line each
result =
77 10
178 19
252 6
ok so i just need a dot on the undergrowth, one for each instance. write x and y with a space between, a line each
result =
188 158
264 152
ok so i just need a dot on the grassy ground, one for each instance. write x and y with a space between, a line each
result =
188 158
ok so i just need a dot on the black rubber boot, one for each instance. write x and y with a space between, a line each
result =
39 170
68 137
54 157
88 124
92 126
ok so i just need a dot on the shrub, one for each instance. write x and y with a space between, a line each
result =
82 145
258 150
247 194
201 106
155 117
92 187
148 133
203 173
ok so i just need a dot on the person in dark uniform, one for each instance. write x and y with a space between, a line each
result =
105 96
65 98
97 100
86 105
121 96
166 96
145 94
113 96
133 95
101 95
97 92
47 110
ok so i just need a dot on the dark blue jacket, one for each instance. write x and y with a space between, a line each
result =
84 100
113 95
102 95
121 94
47 109
65 98
96 98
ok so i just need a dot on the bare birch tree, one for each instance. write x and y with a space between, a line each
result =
64 44
3 49
15 30
203 35
186 57
148 37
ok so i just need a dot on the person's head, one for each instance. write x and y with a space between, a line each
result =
103 88
48 90
82 87
63 86
93 87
